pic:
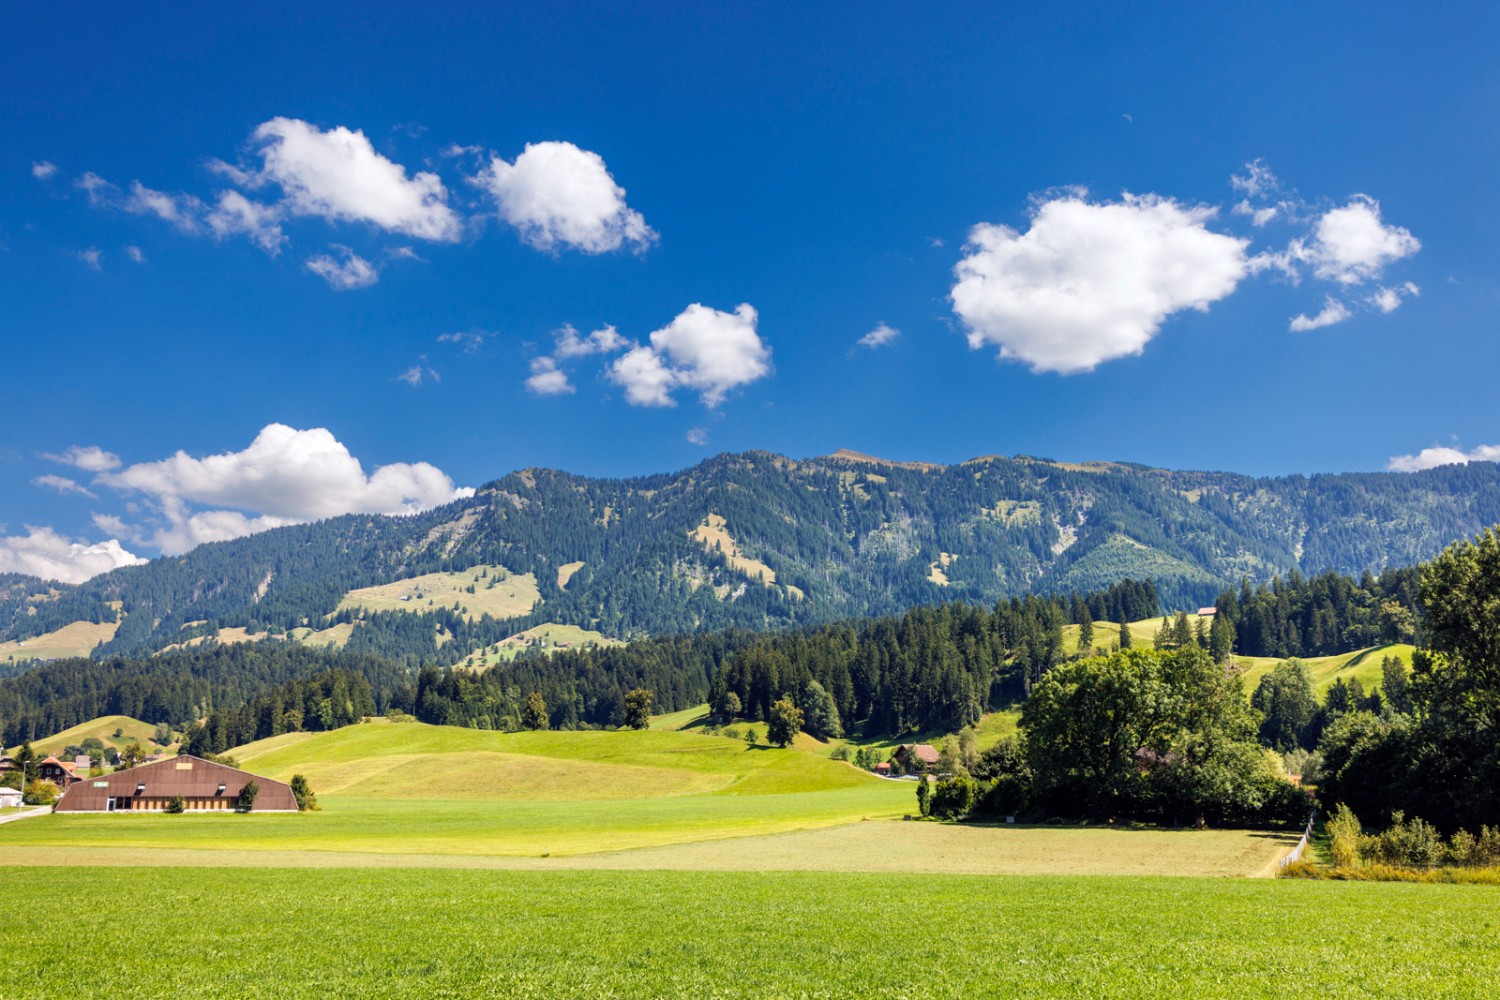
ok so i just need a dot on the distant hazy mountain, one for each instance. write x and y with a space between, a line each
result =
759 541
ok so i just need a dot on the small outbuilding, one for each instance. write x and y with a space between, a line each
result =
10 798
203 785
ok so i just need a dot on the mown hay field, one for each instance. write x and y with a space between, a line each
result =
265 932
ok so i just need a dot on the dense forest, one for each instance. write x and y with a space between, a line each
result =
1327 614
846 537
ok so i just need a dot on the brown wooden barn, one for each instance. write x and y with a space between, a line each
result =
203 785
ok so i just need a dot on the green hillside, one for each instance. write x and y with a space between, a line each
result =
103 728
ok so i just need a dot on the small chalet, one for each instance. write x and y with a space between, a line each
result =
1207 612
884 767
7 765
916 756
53 770
203 785
82 763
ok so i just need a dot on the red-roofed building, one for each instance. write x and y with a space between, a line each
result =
57 772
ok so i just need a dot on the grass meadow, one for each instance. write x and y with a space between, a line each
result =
266 932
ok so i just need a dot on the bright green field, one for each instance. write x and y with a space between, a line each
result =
276 933
410 789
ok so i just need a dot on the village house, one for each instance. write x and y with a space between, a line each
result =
914 757
10 798
203 785
60 774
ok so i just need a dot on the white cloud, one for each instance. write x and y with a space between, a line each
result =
99 190
284 477
1090 281
417 374
1431 458
878 337
698 436
605 340
644 376
1256 181
61 484
89 458
235 213
1259 216
547 379
470 341
353 271
1351 245
136 254
338 176
702 349
43 170
1333 312
184 211
43 552
1388 300
558 195
92 257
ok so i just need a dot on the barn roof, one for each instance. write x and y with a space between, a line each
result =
190 777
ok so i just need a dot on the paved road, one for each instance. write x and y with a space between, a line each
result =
9 817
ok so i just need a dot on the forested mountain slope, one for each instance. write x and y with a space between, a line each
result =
761 541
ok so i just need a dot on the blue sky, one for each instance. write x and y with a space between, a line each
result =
360 241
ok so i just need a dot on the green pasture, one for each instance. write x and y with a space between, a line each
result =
131 731
266 932
1362 665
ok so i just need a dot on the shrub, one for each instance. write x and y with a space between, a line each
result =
176 804
1413 843
953 798
306 800
39 793
1344 833
247 797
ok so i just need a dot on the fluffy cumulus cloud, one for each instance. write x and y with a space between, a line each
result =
337 175
300 475
237 215
1333 311
43 170
879 337
557 195
703 350
1431 458
1091 281
1388 300
43 552
344 272
1352 244
547 378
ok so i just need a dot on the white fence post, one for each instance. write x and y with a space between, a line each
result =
1296 854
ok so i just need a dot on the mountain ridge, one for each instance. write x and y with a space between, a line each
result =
758 540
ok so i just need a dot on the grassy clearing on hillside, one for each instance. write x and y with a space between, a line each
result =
614 934
551 637
1362 665
133 730
73 639
497 592
674 721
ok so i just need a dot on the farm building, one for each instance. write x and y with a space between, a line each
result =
203 785
916 756
10 798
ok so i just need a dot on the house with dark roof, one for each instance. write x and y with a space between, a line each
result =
203 785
